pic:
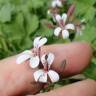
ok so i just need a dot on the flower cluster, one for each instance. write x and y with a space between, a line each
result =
34 58
62 27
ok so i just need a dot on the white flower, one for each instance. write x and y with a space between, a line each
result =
28 55
56 3
63 27
39 42
43 74
32 56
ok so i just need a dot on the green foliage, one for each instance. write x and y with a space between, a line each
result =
91 70
32 23
22 20
86 9
19 23
6 12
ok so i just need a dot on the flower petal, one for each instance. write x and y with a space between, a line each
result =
43 78
65 34
27 52
70 26
58 18
59 3
36 41
64 17
42 42
57 31
34 62
50 59
22 58
54 4
43 59
54 76
40 76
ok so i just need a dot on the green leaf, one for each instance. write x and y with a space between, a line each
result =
84 8
20 21
6 13
14 31
89 34
44 30
38 3
26 43
32 23
91 71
